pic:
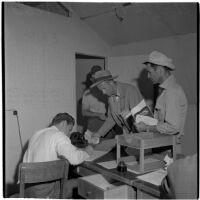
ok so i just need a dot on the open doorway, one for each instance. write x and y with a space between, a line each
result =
84 64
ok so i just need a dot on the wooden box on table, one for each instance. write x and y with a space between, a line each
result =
142 141
91 187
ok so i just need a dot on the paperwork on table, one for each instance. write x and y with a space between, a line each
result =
113 163
155 177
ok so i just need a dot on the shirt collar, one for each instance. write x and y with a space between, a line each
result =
170 81
118 92
54 127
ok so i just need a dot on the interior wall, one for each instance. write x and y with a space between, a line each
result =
130 70
183 50
40 71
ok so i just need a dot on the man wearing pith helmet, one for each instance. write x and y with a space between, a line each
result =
171 104
121 97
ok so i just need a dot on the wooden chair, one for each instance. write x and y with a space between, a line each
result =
42 172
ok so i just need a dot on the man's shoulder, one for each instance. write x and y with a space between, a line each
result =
87 94
175 89
186 163
54 132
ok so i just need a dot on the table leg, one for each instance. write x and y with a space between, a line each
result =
142 156
118 152
174 147
139 194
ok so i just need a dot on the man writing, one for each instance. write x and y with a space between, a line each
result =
51 144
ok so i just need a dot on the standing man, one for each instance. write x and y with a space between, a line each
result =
51 144
121 97
171 104
93 103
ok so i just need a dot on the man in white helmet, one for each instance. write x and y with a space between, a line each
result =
171 104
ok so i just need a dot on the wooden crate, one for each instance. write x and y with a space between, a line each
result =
144 141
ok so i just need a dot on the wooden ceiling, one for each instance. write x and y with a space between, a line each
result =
122 23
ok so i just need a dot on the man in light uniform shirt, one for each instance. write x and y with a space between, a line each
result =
93 103
171 104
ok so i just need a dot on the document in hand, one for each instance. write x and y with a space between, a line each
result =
139 113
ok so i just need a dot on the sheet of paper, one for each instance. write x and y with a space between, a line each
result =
147 160
98 180
109 164
113 163
154 177
150 160
96 154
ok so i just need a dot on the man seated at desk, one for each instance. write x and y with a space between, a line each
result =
171 104
51 144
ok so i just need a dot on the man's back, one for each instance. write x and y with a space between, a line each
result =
42 145
182 176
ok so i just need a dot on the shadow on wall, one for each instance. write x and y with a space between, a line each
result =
12 188
145 85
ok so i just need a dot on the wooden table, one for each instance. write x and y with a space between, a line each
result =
129 178
146 190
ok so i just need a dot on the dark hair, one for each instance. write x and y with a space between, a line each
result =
95 69
78 140
62 117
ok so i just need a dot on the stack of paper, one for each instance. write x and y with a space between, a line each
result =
109 164
154 177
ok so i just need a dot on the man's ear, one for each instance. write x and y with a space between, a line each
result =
63 123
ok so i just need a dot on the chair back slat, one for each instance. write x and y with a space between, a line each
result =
42 172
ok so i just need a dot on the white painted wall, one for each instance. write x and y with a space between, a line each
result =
131 70
40 70
126 61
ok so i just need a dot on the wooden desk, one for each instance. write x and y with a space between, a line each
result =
88 168
129 178
146 190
